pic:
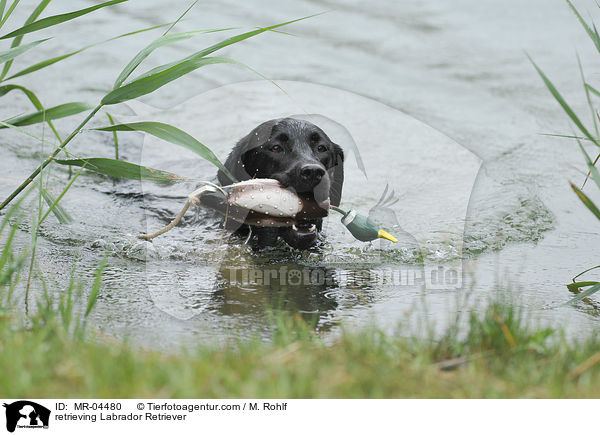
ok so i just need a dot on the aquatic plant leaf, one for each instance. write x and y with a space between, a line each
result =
122 169
558 97
583 294
63 193
160 76
34 100
57 19
175 136
587 201
59 211
592 33
576 285
93 296
9 12
11 53
2 6
17 41
57 112
157 43
593 170
46 63
115 136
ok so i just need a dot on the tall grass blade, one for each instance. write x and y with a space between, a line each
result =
121 169
49 159
159 77
57 200
93 297
34 100
57 19
115 136
164 74
590 164
587 96
577 285
9 12
57 112
174 135
46 63
10 54
592 89
180 17
558 97
6 252
17 41
593 34
2 7
583 295
586 201
157 43
61 214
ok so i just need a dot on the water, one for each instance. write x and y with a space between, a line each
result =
438 100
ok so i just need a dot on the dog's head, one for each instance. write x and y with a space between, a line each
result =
301 157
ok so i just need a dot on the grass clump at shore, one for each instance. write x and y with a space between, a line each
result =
499 354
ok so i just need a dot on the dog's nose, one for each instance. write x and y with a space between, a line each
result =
312 173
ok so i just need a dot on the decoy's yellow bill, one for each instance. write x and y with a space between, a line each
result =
385 235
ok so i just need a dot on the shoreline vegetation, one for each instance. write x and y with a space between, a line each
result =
491 352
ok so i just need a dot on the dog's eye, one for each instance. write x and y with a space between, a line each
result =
321 148
276 148
314 137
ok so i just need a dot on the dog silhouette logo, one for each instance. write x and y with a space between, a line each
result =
26 414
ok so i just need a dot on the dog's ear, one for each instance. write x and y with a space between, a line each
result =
235 162
337 176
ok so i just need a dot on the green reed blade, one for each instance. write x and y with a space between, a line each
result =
46 63
586 201
583 294
173 135
9 12
576 285
593 34
115 136
122 169
34 100
11 53
558 97
157 43
17 41
57 112
93 296
2 6
57 19
61 214
164 74
56 204
593 170
149 83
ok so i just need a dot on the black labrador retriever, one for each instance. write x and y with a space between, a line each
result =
302 158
